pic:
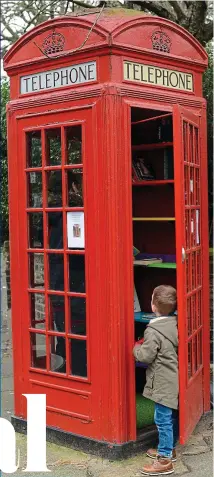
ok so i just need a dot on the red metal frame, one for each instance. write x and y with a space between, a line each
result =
192 317
30 373
105 401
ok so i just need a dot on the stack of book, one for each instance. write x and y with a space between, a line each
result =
147 261
141 171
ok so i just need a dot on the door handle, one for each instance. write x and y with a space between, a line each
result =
183 254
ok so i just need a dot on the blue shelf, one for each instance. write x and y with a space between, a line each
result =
141 365
143 317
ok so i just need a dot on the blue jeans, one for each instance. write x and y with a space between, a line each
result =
166 420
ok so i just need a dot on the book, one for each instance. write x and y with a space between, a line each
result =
135 173
164 130
141 170
168 164
147 261
136 302
135 251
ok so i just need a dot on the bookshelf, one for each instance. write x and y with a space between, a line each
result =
153 118
163 265
153 211
142 317
153 219
151 147
171 265
153 182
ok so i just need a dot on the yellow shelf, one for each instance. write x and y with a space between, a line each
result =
154 219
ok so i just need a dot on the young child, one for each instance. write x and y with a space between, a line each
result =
159 350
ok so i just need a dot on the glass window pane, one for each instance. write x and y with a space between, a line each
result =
55 230
74 144
54 186
34 181
77 315
38 350
75 188
53 148
37 310
34 149
57 354
36 264
78 358
36 230
77 273
57 313
190 359
56 271
199 348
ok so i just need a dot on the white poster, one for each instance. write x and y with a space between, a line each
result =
197 228
75 230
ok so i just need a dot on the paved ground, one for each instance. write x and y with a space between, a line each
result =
194 460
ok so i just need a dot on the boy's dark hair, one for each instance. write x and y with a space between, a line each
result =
165 299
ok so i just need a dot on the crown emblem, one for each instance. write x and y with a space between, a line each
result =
161 41
53 43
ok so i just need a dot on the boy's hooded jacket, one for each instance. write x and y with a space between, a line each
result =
159 351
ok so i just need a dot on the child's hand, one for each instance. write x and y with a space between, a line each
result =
139 342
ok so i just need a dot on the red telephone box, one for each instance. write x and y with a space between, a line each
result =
107 151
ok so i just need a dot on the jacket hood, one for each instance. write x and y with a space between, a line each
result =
167 326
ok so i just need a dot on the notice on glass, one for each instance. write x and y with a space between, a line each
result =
197 227
75 230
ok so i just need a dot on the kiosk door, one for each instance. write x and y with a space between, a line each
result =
56 183
187 164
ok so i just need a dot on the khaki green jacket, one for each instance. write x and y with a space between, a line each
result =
159 351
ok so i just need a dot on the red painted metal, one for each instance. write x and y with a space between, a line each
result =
152 119
151 147
189 223
153 183
102 405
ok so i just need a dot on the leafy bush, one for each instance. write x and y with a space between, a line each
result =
4 229
208 94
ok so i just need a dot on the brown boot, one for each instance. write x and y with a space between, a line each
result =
152 453
160 466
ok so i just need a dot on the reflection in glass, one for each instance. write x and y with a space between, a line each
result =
38 350
57 360
75 188
57 313
74 144
77 273
78 358
78 315
37 310
34 189
56 271
36 230
53 151
34 149
55 230
190 359
36 264
54 186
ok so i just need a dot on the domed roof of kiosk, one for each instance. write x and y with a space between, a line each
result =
124 28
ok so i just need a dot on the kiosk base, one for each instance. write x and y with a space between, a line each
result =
107 450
